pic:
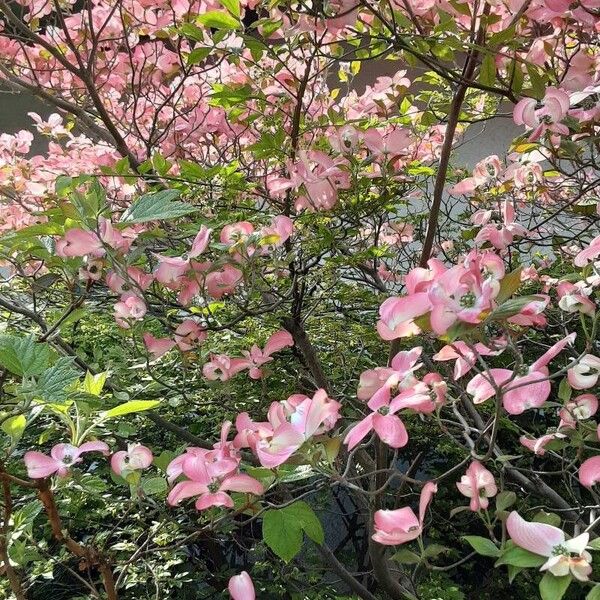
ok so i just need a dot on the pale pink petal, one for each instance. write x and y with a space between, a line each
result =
589 471
520 395
359 431
185 489
242 483
551 353
241 587
118 461
539 538
200 242
429 489
94 447
39 465
278 341
214 499
390 430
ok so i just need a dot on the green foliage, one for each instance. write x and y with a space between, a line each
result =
283 529
158 206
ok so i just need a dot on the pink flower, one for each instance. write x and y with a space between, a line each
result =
222 282
78 242
538 445
171 269
256 357
278 232
62 458
544 115
395 527
135 458
485 171
580 408
519 392
479 485
157 346
236 233
241 587
531 315
379 382
129 308
312 416
223 460
574 298
289 425
211 474
502 236
589 472
589 253
549 541
136 279
585 373
212 491
388 144
189 334
466 358
387 425
223 367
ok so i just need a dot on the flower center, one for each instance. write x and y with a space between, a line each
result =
467 300
213 487
383 410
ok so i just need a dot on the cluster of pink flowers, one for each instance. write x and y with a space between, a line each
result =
389 390
289 425
223 367
64 456
464 293
210 475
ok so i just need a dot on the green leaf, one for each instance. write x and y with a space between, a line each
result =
519 557
509 285
55 383
513 572
163 459
482 545
217 19
505 499
14 427
26 515
198 55
512 307
133 406
233 6
158 206
538 84
564 390
406 557
554 588
546 517
594 593
594 544
282 529
305 515
94 384
281 534
434 550
487 74
191 31
22 356
154 486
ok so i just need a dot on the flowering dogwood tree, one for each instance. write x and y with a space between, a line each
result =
248 304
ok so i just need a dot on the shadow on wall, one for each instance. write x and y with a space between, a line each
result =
13 115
